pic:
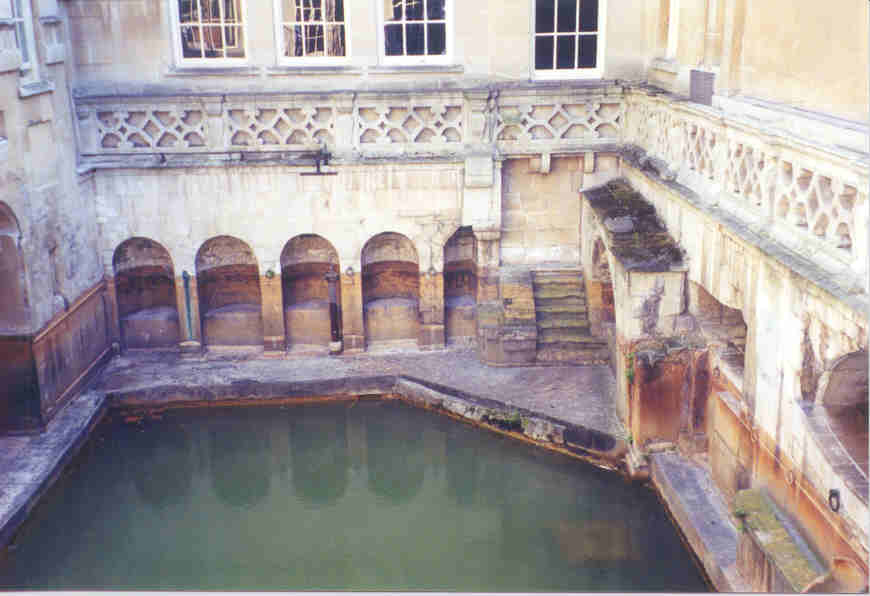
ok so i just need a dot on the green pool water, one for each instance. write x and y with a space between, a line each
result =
377 495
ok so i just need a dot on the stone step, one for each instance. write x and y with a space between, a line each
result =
566 334
558 274
550 292
573 353
562 319
573 304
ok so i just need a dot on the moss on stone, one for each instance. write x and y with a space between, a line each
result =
780 547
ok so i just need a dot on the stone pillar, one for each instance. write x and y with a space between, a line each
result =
353 334
332 278
114 319
187 297
431 310
272 302
732 47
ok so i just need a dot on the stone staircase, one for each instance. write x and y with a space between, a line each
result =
562 320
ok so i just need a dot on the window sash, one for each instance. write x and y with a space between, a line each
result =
311 33
398 27
579 35
210 31
25 42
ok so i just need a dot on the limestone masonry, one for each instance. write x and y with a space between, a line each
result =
675 189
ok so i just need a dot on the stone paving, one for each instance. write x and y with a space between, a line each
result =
581 395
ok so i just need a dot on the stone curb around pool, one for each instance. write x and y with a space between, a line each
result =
522 423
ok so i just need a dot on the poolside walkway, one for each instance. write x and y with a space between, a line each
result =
579 395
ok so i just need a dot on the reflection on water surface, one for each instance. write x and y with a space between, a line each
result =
370 496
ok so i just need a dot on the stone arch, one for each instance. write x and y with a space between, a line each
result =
725 331
305 262
460 286
145 290
602 275
390 288
228 286
19 388
843 396
14 305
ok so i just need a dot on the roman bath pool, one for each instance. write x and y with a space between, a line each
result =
357 495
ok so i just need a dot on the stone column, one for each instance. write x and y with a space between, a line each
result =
431 310
114 319
332 278
353 333
187 297
272 303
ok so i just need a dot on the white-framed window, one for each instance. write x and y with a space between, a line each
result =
568 39
209 32
416 31
311 31
22 20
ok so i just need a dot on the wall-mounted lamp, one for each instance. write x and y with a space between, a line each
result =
834 499
431 272
349 271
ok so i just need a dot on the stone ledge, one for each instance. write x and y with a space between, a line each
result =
793 566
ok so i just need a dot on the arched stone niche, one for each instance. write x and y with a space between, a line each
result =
460 286
390 288
228 285
844 399
14 307
145 290
305 262
19 388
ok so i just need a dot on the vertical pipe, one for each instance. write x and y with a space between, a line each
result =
334 319
186 277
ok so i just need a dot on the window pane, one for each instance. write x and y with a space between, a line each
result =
234 43
435 10
565 45
543 53
568 16
394 40
415 43
293 41
414 10
232 11
211 11
334 10
313 40
21 40
588 15
315 10
544 16
335 40
212 42
393 10
188 11
586 55
437 39
191 45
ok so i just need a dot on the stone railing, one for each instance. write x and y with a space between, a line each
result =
809 197
369 125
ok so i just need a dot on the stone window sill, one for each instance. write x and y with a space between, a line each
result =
217 71
417 68
35 88
313 70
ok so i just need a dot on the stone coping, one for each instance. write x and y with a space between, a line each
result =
777 537
698 509
636 236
